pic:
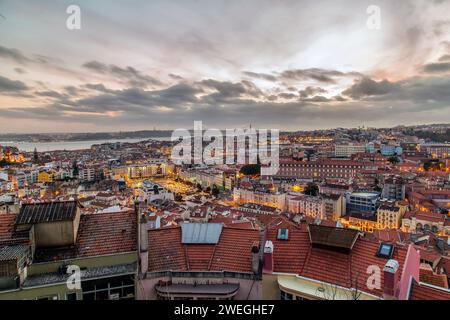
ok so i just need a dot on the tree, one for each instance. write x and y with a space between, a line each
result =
434 165
75 170
331 291
35 156
251 169
215 191
178 197
394 160
311 189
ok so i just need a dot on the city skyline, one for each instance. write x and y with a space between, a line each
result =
134 67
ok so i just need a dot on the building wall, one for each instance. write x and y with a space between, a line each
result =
248 289
270 288
52 234
60 289
88 262
242 196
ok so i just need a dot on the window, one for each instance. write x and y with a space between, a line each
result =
121 287
283 234
71 296
386 250
286 296
50 297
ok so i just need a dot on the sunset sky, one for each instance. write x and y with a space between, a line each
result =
291 65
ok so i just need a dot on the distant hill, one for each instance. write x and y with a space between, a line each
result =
49 137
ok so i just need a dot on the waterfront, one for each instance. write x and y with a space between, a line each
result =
68 145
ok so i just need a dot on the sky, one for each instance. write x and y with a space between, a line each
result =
278 64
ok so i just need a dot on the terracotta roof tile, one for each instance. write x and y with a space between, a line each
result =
7 226
98 234
231 253
296 255
424 292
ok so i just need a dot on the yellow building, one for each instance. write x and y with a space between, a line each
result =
389 216
45 176
361 223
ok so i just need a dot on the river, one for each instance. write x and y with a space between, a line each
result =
68 145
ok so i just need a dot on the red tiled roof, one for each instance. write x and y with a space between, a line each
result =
328 266
424 292
428 276
364 255
231 253
289 255
107 233
7 226
8 234
296 255
445 264
98 234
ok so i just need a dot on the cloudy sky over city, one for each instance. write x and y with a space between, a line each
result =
295 65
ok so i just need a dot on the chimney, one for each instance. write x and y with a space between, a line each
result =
391 280
268 257
255 257
143 243
142 238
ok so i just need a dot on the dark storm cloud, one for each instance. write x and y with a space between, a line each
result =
20 58
128 74
223 91
287 96
14 54
97 87
367 87
318 99
175 76
419 93
11 86
263 76
437 67
317 74
51 94
309 91
445 57
186 102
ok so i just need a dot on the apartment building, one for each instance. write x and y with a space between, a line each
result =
208 177
389 215
271 199
362 202
320 169
347 150
394 188
436 151
307 205
42 245
420 221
